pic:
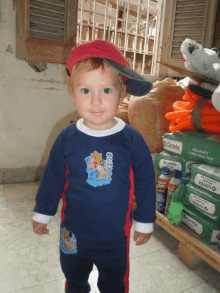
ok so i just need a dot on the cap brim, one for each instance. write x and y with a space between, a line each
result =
136 85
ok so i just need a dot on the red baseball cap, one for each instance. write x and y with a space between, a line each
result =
136 84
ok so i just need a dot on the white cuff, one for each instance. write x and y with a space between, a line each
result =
143 227
44 219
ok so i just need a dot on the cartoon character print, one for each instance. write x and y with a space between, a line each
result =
67 243
99 170
92 163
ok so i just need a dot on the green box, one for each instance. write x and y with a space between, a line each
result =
164 159
206 178
194 145
203 201
208 229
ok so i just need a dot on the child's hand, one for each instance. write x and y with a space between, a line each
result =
143 237
40 228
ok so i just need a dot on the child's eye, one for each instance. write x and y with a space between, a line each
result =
108 90
86 90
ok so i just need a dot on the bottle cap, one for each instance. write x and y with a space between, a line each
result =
165 171
177 174
184 180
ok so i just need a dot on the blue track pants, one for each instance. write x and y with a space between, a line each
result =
111 265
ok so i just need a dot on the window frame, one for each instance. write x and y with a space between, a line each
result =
38 50
163 54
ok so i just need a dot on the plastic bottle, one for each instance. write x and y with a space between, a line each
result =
161 189
179 193
177 202
173 185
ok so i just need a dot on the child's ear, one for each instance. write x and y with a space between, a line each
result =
70 89
123 93
73 100
121 99
71 94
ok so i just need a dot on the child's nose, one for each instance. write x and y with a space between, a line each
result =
96 99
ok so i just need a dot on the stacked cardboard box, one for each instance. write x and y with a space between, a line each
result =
197 155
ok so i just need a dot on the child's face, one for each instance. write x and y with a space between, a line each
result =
96 96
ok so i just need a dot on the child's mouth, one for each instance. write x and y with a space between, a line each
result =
97 113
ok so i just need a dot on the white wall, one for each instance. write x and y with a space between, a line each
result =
35 107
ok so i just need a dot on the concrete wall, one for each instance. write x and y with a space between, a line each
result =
34 108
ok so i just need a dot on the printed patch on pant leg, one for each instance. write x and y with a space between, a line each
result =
67 244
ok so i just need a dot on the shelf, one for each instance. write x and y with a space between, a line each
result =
190 243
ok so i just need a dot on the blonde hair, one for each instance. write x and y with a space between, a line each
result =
91 64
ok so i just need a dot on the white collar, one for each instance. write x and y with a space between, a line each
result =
98 133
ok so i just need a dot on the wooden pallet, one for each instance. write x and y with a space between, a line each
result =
190 244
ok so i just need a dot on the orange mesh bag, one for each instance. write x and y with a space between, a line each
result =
194 112
147 113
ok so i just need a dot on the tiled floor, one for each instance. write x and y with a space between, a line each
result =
29 263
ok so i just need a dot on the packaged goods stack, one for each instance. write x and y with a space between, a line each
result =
202 202
197 155
193 148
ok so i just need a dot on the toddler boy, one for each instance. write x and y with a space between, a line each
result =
96 165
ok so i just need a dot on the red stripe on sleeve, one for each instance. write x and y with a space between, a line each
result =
66 185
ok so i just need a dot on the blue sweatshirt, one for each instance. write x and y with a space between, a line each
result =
92 171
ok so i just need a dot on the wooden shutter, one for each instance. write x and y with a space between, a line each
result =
193 19
48 20
188 21
45 29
